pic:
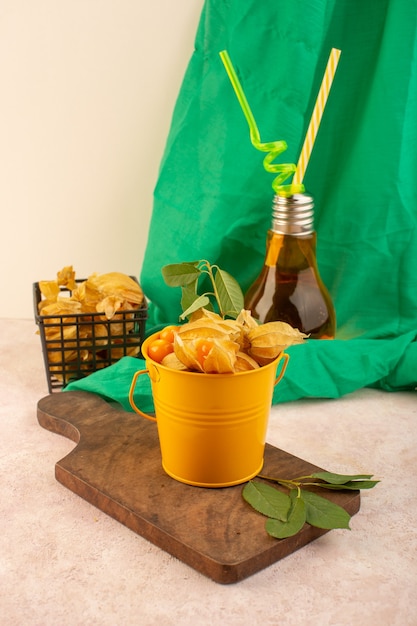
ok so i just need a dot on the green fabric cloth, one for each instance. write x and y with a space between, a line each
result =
213 197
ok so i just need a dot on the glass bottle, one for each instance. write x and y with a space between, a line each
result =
289 287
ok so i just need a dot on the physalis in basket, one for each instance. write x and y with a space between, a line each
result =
107 304
213 345
100 293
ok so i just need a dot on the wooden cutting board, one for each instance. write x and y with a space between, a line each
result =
116 466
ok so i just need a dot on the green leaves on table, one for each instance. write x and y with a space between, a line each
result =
223 288
344 481
295 519
288 512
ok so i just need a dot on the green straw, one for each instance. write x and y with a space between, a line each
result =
274 148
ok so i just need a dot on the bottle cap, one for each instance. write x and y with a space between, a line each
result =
293 215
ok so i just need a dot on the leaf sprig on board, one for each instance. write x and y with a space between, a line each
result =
287 513
224 289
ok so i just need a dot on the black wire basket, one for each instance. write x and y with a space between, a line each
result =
76 345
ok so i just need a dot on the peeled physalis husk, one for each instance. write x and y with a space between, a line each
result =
245 363
66 278
116 284
206 353
186 352
171 360
221 359
246 320
205 326
268 340
205 314
50 291
202 329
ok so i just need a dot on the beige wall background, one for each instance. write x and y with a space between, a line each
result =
87 91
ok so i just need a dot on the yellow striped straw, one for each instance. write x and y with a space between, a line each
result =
316 116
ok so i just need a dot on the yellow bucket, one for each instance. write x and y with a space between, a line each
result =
211 427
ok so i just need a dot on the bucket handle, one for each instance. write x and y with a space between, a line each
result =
286 358
131 400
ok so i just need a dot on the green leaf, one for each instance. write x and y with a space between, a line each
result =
230 295
295 521
322 513
197 304
188 294
339 479
350 486
267 500
180 274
